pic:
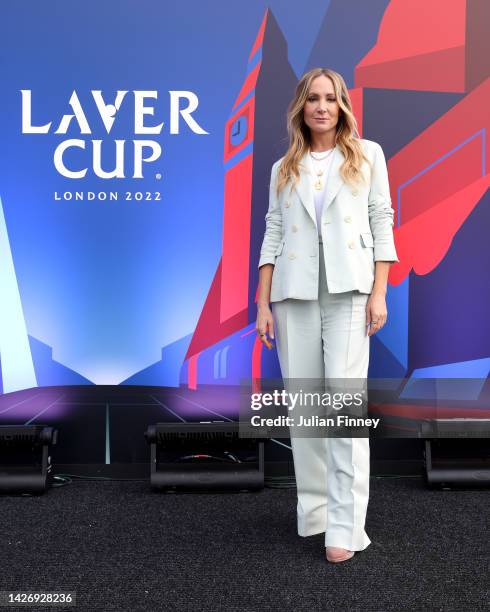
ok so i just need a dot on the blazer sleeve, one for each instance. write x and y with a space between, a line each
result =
273 220
380 210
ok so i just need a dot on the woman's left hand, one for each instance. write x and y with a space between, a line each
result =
376 313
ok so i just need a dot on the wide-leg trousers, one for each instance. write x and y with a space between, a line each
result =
326 339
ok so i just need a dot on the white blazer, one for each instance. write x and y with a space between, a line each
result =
356 230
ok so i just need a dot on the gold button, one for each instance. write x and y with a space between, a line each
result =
294 228
286 204
292 256
347 219
351 245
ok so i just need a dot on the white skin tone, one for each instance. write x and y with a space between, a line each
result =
321 102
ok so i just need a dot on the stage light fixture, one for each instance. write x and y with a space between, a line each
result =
204 456
24 457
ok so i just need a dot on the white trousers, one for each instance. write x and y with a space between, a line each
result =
318 339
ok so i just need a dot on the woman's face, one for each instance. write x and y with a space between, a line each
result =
321 109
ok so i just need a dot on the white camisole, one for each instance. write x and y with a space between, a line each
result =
319 195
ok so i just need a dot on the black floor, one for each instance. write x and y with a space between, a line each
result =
122 547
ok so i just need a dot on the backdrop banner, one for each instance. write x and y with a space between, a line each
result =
135 159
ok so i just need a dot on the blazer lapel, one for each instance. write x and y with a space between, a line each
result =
304 187
335 180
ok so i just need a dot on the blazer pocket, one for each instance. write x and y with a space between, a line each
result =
279 248
367 240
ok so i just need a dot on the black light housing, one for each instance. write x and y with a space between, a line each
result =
24 457
457 452
204 456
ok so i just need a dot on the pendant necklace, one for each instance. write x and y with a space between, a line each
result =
319 171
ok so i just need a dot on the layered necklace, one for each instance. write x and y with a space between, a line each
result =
320 169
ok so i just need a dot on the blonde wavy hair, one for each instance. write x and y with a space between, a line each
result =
347 136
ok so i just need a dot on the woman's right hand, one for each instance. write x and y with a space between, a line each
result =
265 325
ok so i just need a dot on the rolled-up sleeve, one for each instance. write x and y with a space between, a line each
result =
273 221
380 210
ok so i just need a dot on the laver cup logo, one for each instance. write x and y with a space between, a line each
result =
138 151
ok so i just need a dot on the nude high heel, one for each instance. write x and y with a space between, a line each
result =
336 555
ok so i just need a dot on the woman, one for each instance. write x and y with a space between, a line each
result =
324 265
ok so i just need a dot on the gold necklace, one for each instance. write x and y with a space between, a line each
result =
319 172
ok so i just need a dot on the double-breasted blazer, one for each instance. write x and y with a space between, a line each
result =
356 229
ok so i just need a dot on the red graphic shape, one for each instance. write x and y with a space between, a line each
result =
423 242
417 53
236 239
